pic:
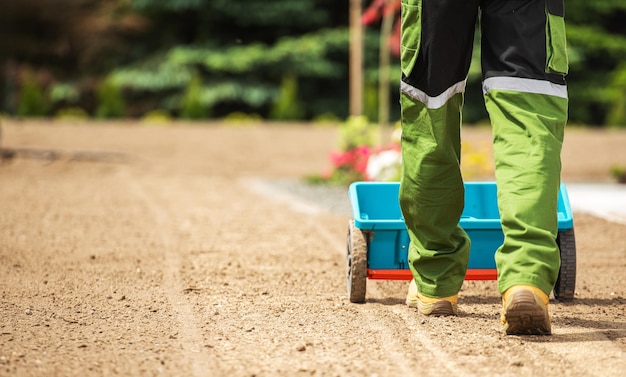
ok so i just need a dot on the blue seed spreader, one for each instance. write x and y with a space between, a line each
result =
378 240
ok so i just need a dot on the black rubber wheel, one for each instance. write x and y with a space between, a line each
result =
356 263
566 282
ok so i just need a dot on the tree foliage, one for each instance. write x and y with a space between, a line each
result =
66 43
249 74
242 51
252 56
596 34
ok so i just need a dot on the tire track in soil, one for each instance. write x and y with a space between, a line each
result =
395 346
245 323
573 352
451 349
396 343
296 293
189 335
582 350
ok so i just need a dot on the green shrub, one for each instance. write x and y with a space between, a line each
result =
327 118
370 100
239 118
616 116
76 113
110 101
160 117
618 172
357 131
287 105
191 106
32 100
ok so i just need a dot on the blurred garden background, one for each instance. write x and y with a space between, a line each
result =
253 59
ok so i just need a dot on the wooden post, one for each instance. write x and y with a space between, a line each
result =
356 58
384 61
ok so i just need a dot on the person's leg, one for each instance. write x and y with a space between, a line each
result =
437 38
524 67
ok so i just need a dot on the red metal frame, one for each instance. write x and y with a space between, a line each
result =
472 274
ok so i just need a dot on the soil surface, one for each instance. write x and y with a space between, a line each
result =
196 250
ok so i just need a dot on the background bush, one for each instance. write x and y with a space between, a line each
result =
282 59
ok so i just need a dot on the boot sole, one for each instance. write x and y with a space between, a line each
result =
525 316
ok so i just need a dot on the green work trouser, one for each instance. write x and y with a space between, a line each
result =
526 97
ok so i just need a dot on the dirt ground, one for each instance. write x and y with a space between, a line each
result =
144 251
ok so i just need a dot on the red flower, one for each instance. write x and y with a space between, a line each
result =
380 8
352 159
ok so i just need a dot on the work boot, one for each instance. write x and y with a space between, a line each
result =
525 311
446 306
